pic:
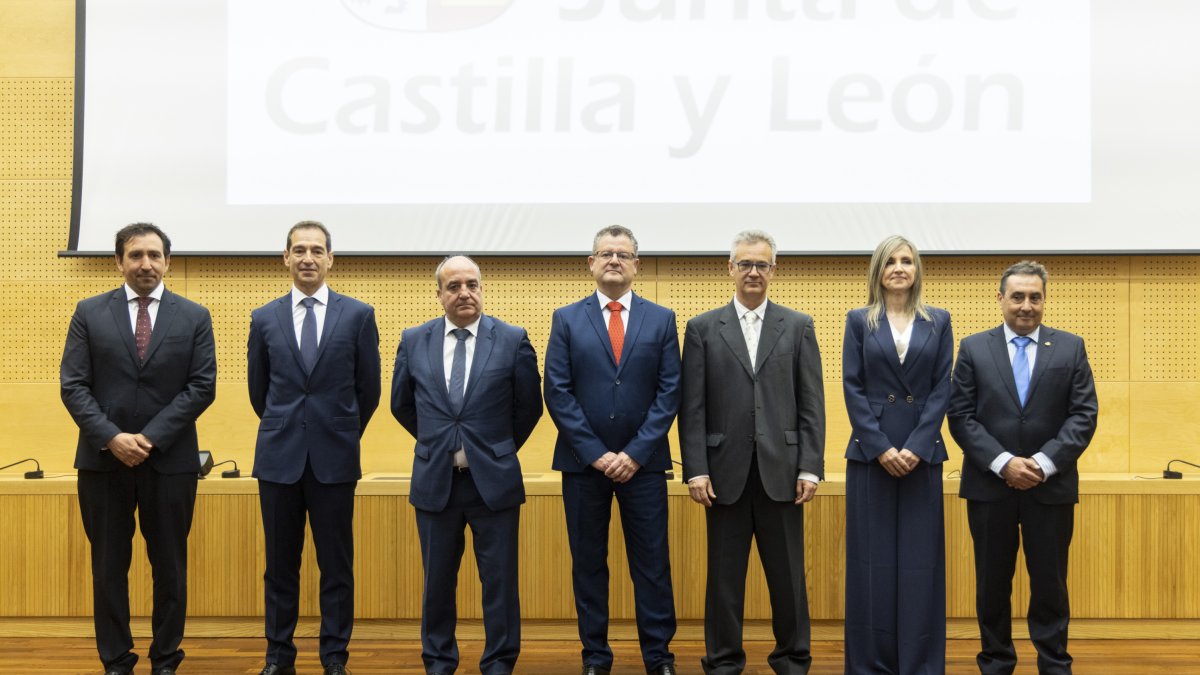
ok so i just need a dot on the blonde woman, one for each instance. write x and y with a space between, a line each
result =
896 362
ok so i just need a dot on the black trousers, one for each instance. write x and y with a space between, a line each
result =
778 530
1045 530
330 511
164 505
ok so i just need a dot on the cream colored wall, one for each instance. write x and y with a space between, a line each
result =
1137 313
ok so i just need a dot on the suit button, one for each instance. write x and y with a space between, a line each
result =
891 398
612 416
618 383
908 399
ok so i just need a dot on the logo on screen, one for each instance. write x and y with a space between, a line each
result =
427 16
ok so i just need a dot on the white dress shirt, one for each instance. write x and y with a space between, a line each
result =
1002 460
741 311
625 300
131 298
298 311
449 342
902 339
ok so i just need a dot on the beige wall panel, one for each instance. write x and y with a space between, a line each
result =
36 132
37 38
1110 447
1164 425
33 555
38 427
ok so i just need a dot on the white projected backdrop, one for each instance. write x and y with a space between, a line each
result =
522 126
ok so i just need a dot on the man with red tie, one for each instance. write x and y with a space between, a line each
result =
612 388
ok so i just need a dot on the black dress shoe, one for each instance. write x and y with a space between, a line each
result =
272 669
592 669
664 669
163 671
336 669
114 671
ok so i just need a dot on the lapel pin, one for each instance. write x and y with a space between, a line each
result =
1047 343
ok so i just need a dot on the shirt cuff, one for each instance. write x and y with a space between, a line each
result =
696 478
1048 468
810 477
998 464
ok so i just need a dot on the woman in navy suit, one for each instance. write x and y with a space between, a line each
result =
896 362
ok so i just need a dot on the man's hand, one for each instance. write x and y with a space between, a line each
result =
805 491
604 461
898 463
701 490
1021 473
622 468
128 449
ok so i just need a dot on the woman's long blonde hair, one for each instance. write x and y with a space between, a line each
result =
876 304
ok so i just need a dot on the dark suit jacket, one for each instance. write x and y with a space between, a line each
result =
894 405
501 406
318 417
727 404
599 406
986 418
107 391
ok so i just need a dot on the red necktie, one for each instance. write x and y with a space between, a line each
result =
616 329
141 335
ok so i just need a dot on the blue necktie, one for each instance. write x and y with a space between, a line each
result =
308 335
458 370
1020 366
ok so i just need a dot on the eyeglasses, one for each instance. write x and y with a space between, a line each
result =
747 265
623 256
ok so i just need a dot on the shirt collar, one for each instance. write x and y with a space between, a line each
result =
742 310
1009 334
157 293
472 328
322 295
625 300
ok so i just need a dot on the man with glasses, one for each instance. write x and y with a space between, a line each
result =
612 388
752 435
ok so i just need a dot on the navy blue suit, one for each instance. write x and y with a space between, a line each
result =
601 407
895 547
108 390
501 405
306 460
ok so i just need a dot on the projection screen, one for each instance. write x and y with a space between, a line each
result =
522 126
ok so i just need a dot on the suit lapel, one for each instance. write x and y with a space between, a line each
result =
484 341
592 309
731 333
1045 352
435 344
636 320
772 330
167 308
883 337
922 329
999 349
283 313
120 312
333 312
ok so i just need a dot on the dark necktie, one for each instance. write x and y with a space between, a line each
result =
458 370
141 334
616 329
308 334
1020 366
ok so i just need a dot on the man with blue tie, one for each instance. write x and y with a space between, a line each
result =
1023 408
313 372
466 386
612 388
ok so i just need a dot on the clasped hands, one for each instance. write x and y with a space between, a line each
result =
898 463
618 466
130 449
1022 473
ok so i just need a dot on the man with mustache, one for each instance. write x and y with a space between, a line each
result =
313 372
138 369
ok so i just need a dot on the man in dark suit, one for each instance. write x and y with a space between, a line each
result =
138 369
752 434
467 388
612 388
1023 409
313 371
